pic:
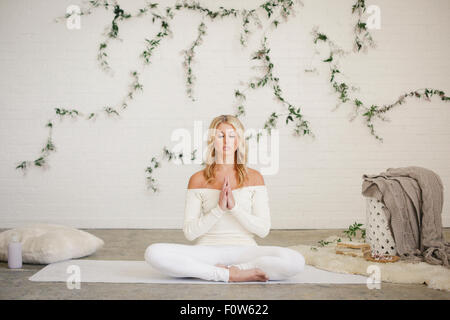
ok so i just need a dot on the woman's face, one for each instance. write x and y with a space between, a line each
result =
226 140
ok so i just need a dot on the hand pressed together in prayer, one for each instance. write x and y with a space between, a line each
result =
226 200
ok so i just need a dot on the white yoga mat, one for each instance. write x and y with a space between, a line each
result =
120 271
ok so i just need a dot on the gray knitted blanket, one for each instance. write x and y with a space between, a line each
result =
413 199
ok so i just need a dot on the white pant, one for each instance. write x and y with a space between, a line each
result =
181 260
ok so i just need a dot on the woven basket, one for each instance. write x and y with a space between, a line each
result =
378 231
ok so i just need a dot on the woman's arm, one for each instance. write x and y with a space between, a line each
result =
257 221
196 224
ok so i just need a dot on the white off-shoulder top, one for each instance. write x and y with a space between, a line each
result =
208 224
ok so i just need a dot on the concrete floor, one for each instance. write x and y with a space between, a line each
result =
130 244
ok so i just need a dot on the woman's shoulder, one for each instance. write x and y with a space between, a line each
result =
197 180
255 178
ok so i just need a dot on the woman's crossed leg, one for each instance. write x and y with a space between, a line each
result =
200 261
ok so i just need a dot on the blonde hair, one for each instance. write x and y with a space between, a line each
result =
240 155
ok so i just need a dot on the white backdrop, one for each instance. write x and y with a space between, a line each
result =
96 178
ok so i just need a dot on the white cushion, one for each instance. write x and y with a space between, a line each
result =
48 243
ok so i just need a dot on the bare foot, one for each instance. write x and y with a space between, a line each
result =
255 274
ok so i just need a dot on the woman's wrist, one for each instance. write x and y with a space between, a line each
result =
218 211
234 209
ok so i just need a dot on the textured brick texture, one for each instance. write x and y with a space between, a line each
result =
97 178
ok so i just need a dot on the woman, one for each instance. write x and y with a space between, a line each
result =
226 203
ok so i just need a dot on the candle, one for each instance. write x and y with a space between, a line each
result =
15 253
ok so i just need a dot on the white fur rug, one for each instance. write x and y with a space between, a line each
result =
435 276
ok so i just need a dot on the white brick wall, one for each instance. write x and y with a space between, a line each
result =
96 178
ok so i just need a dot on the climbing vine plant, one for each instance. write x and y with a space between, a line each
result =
292 113
189 55
274 11
353 231
368 112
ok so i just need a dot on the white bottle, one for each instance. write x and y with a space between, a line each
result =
15 253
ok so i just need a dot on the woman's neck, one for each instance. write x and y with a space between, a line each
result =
225 170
